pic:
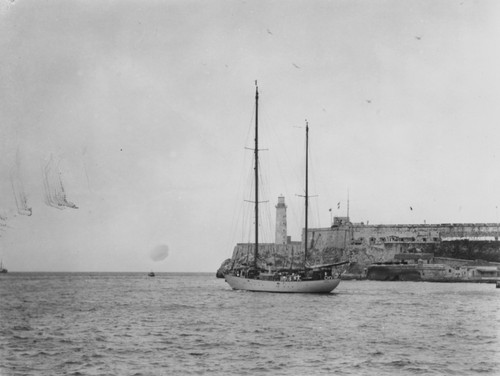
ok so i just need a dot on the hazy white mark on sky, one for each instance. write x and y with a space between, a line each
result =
18 190
159 253
55 194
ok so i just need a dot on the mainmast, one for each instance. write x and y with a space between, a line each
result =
307 192
256 168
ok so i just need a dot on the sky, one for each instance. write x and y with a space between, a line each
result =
147 108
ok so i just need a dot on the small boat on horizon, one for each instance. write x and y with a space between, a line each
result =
151 274
2 269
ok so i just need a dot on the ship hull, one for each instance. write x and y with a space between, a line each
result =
322 286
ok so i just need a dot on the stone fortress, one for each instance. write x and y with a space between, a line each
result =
364 244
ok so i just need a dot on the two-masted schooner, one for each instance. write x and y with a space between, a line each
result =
313 279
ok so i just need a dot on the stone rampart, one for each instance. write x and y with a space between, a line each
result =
364 244
359 234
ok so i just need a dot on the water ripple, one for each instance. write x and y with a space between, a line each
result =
113 324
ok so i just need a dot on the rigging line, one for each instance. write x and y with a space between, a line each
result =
277 137
267 215
250 127
247 220
313 159
312 169
245 189
282 156
266 229
282 163
245 216
249 194
236 214
264 213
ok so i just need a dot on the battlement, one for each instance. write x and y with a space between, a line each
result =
427 226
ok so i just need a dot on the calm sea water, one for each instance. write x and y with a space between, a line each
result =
176 324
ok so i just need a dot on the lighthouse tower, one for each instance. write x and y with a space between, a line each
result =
281 235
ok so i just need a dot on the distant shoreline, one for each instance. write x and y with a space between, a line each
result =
125 272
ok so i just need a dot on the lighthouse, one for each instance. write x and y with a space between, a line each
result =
281 235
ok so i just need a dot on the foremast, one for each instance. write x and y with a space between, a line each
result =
256 168
306 197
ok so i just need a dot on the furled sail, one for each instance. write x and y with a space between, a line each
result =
55 195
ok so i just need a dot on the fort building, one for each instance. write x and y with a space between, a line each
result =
364 244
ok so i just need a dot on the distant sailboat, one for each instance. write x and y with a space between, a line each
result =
55 195
151 274
314 279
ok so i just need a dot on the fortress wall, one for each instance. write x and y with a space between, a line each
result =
469 230
365 244
358 234
400 233
326 237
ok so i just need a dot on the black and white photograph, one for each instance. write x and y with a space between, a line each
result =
249 187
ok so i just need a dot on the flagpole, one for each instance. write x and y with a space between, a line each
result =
348 206
498 224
